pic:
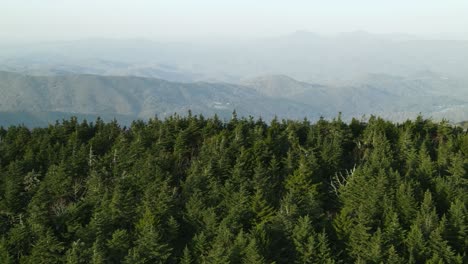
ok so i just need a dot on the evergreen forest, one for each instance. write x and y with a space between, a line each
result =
192 189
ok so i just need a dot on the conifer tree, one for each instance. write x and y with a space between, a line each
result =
149 246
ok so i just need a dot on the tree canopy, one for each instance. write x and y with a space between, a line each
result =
201 190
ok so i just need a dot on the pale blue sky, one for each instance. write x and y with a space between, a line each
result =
176 19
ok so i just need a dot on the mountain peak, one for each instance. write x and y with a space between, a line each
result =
271 77
277 85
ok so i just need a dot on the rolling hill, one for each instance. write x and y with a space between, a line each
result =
38 100
393 97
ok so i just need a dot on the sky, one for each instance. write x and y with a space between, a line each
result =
39 20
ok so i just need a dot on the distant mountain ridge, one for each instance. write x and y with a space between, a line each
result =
302 55
130 98
281 86
36 100
390 96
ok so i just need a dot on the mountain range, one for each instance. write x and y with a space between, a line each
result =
302 55
293 76
37 100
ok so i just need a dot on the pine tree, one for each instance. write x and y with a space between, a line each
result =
438 246
303 187
47 249
393 257
118 245
150 246
252 254
221 247
74 254
458 226
304 239
416 245
186 257
310 247
324 254
13 196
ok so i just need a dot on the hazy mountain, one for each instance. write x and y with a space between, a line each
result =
40 99
281 86
393 97
65 66
304 56
354 73
23 97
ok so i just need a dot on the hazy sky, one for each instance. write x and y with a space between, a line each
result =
175 19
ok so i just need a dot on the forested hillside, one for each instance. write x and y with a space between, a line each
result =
199 190
40 100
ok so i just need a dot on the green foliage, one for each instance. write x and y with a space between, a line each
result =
310 247
4 254
197 190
